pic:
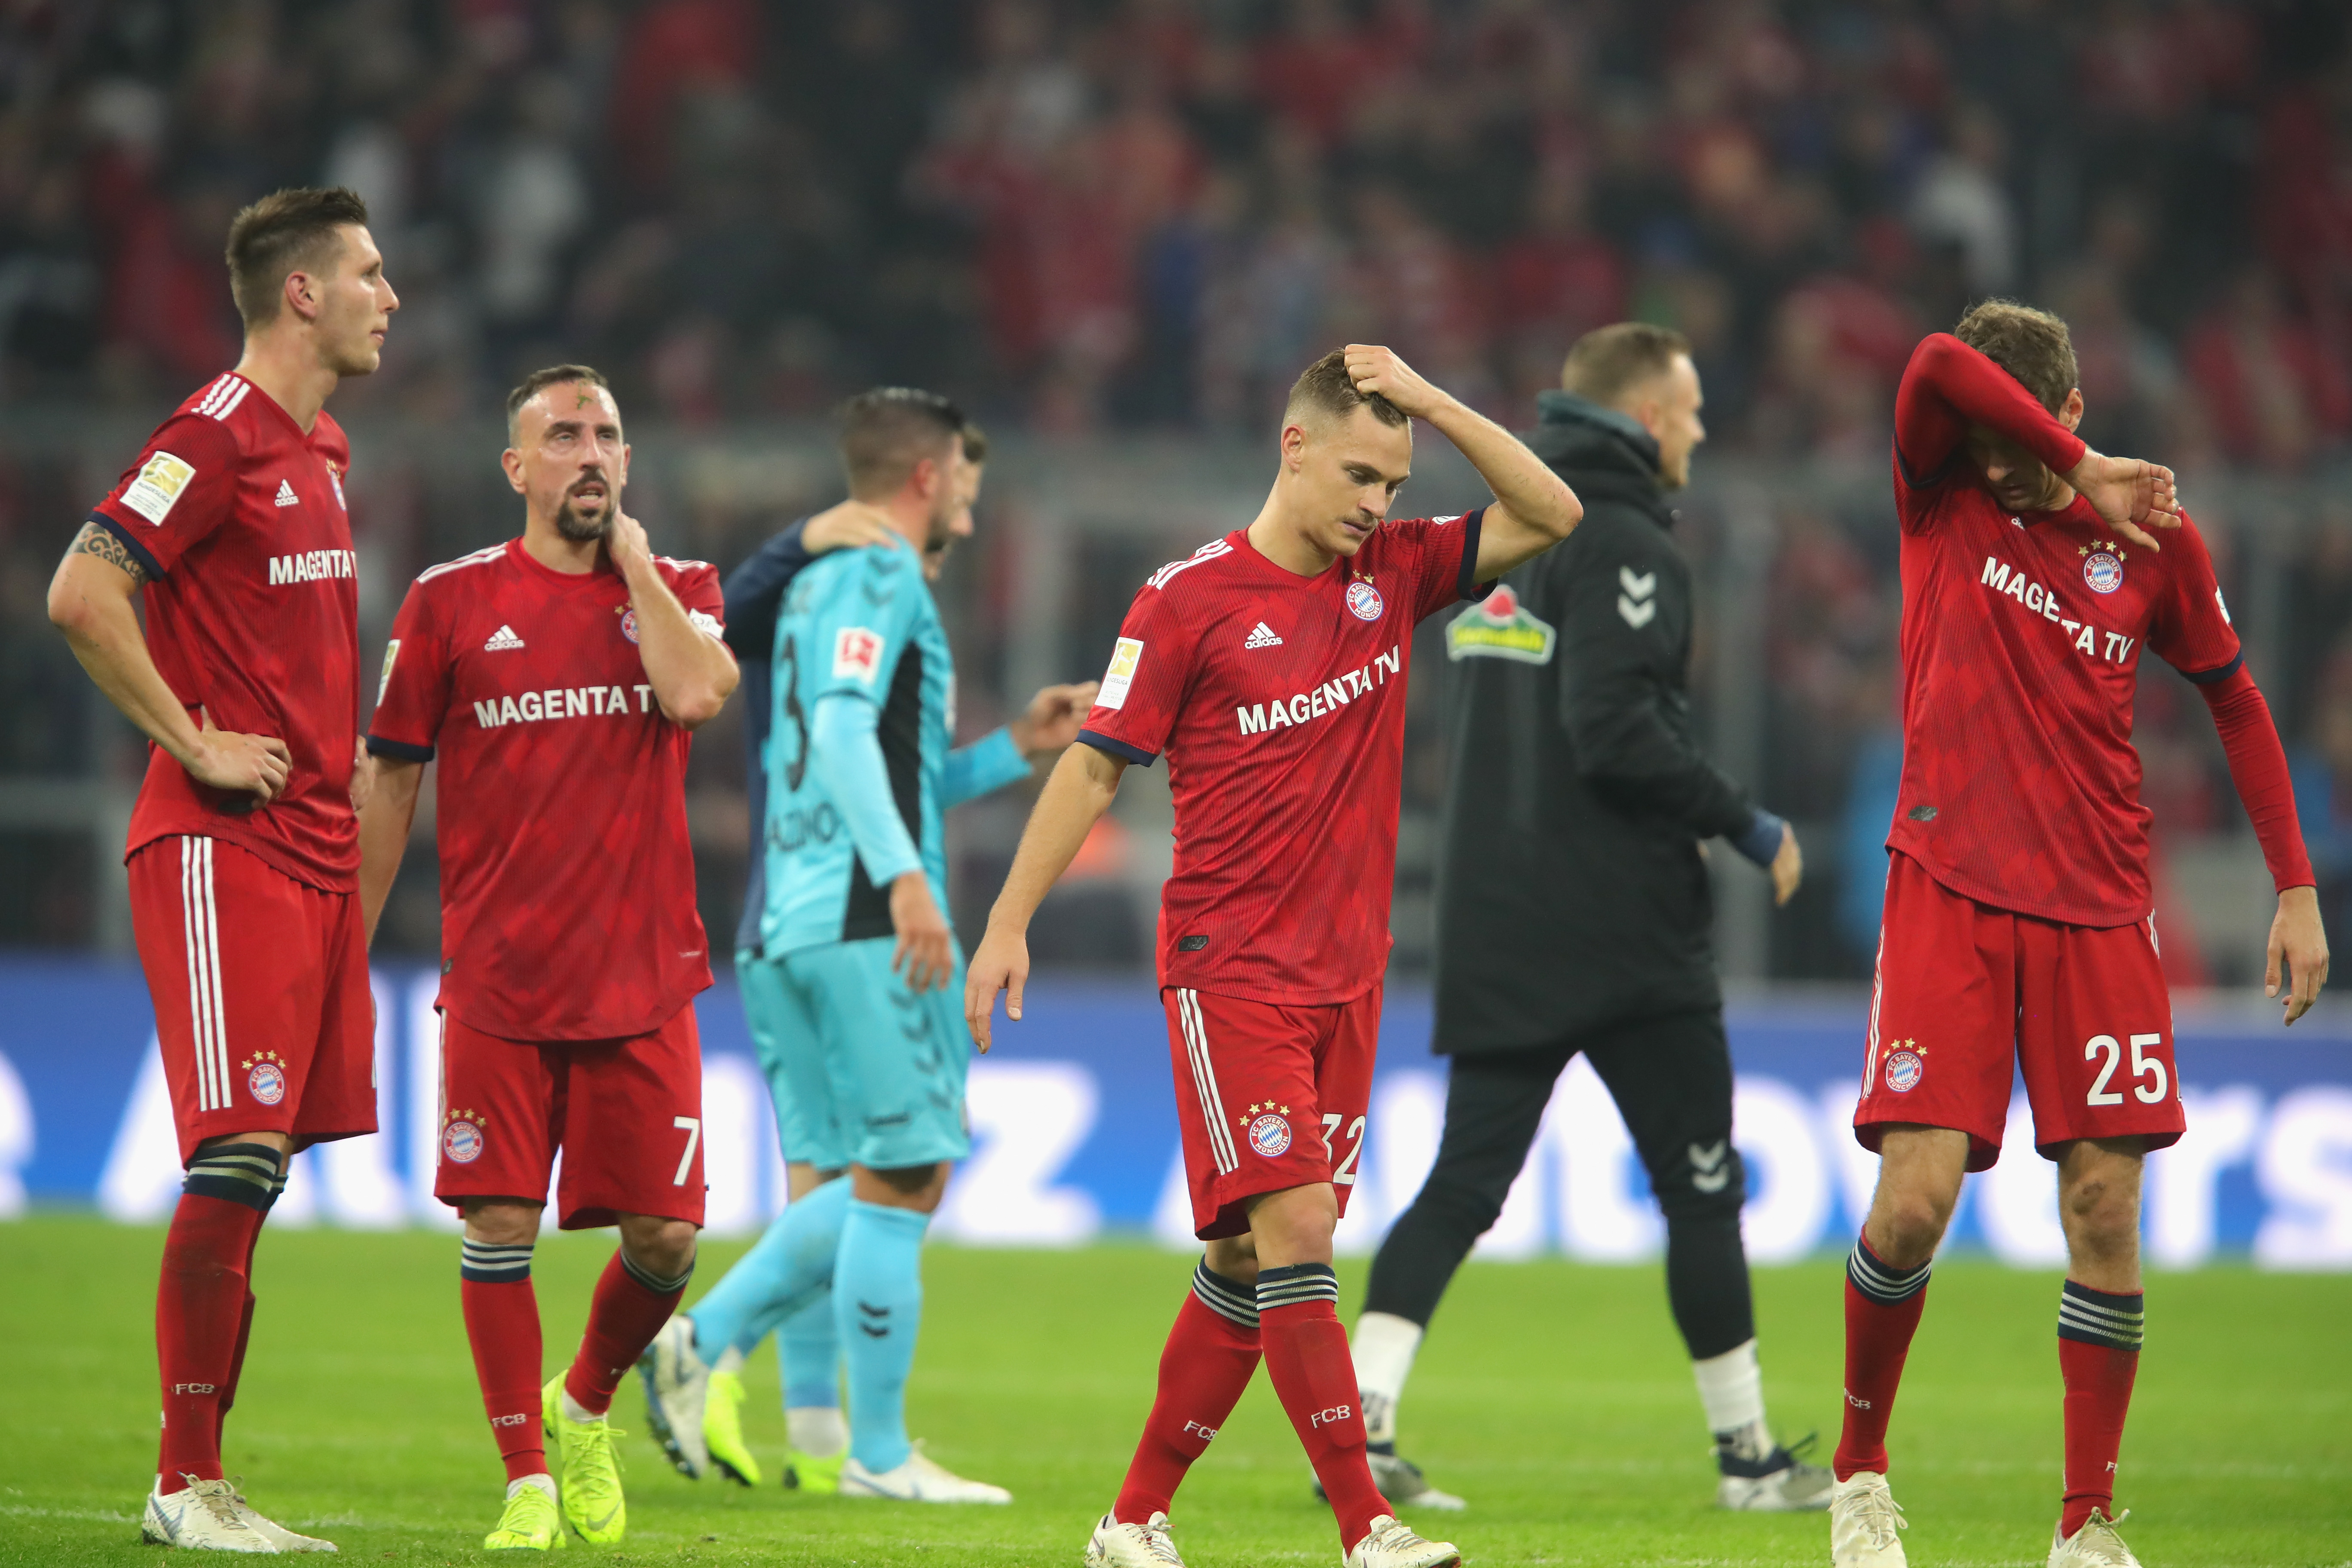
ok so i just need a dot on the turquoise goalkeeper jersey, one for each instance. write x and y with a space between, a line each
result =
859 761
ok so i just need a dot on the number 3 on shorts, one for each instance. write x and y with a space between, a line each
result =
692 1127
2142 1065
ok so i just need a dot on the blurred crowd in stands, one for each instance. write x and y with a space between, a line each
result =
1100 215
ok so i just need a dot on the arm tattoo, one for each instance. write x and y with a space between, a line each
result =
101 542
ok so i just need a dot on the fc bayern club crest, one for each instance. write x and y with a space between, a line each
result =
265 1078
2103 572
1364 600
461 1140
1903 1070
1269 1136
629 625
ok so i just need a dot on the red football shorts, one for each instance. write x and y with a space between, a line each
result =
1268 1098
1964 988
627 1113
260 987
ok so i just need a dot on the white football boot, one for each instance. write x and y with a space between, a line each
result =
918 1478
1145 1545
1863 1517
678 1386
1392 1544
2096 1545
201 1515
269 1530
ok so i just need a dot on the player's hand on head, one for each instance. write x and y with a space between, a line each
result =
2130 495
1055 717
1376 369
1001 963
242 764
925 955
2298 944
848 526
1788 868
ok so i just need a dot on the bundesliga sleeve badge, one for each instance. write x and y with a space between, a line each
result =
156 491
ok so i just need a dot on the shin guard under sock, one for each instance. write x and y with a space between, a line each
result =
1882 1312
502 1327
1306 1360
630 1307
1211 1354
2098 1354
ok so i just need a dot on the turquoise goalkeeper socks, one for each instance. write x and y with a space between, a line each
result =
809 1351
786 1268
877 1304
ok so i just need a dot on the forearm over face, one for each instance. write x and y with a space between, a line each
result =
1079 791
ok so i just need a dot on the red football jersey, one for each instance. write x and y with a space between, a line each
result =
253 615
1279 700
2022 640
567 877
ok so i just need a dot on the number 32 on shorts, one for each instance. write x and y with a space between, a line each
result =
2150 1083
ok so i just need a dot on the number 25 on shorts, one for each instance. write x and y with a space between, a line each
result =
2148 1067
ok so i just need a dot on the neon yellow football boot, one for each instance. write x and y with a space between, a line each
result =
531 1523
722 1429
590 1470
806 1472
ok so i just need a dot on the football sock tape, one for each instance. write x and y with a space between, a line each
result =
1882 1282
1296 1285
652 1281
2096 1318
495 1263
244 1173
1229 1298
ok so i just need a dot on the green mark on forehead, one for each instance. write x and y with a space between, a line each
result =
585 399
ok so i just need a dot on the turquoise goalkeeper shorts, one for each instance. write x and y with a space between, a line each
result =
861 1070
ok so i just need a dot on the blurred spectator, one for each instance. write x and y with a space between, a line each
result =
2272 393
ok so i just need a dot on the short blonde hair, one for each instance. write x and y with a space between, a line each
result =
2032 345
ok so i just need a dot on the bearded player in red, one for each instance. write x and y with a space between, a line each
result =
1270 667
2018 925
557 679
244 848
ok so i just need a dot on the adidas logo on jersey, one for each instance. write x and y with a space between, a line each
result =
502 639
1263 638
286 496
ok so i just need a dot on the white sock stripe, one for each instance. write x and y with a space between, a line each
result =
2092 1309
1226 1305
1881 1284
214 1008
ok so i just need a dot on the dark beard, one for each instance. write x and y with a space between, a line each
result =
579 526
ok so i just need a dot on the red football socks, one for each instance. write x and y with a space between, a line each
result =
1307 1359
630 1308
1882 1312
2098 1355
1210 1355
502 1327
200 1308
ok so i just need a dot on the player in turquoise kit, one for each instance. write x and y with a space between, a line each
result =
860 770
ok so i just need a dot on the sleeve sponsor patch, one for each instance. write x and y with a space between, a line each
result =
709 625
158 487
1124 659
856 654
384 684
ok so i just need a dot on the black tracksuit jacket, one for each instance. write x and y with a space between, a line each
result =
1570 891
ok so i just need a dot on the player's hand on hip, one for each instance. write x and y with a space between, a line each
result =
2129 495
925 954
848 526
2299 941
1375 369
1001 964
1788 868
1053 718
244 764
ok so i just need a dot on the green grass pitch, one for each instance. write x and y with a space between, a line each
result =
1555 1395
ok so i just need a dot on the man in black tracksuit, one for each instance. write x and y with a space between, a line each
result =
1573 909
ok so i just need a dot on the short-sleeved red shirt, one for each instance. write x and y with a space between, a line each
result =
567 875
2022 640
252 614
1279 700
